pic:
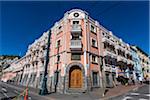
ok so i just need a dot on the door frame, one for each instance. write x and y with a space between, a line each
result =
84 87
73 69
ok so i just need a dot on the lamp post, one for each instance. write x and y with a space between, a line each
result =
43 89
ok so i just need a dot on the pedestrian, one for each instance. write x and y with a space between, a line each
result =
140 79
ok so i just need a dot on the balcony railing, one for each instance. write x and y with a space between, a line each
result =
108 53
76 29
130 62
110 68
120 58
75 44
105 39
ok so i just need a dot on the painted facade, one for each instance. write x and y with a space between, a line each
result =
144 62
137 65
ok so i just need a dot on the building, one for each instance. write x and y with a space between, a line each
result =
82 55
137 65
117 58
5 62
144 62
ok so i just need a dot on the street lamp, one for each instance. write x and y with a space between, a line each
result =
43 89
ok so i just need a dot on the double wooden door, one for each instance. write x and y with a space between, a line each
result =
76 78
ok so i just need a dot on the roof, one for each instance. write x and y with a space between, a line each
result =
138 48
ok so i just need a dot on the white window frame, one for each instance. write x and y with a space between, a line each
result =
57 42
98 79
94 28
96 59
95 42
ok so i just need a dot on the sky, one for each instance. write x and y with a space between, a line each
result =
23 22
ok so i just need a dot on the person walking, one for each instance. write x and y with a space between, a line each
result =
140 79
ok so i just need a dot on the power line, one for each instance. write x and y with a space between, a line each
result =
107 9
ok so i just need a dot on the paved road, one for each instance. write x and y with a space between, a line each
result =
141 93
7 92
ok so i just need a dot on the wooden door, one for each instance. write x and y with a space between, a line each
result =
76 78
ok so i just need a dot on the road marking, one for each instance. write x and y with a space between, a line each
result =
5 95
135 89
4 90
147 95
143 99
16 91
126 98
134 94
30 98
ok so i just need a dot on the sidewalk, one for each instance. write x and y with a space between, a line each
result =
121 89
93 95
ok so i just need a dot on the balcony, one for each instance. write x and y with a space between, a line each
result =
121 48
108 68
76 28
105 39
130 62
108 53
75 45
120 58
113 70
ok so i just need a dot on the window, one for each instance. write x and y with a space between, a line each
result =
76 14
40 78
94 43
107 79
58 43
113 77
75 56
75 37
44 47
42 62
58 58
33 64
30 79
92 28
59 27
25 79
103 34
75 22
36 63
34 76
94 59
95 78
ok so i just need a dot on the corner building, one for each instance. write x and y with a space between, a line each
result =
85 55
75 53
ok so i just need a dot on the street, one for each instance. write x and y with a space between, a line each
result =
8 92
141 93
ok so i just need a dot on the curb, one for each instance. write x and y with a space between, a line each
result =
110 97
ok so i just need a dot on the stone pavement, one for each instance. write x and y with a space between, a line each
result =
93 95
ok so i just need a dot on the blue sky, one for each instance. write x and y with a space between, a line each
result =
23 22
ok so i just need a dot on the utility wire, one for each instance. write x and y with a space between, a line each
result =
107 9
